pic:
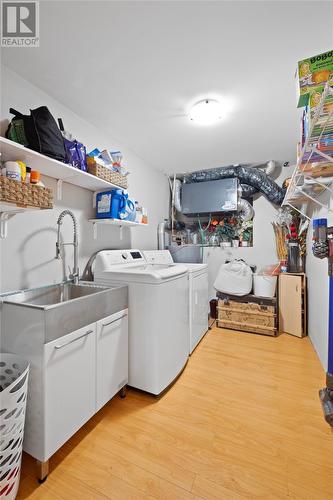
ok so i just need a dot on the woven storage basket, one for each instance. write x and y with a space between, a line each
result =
107 175
25 195
14 373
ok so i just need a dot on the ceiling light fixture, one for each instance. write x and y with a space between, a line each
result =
206 112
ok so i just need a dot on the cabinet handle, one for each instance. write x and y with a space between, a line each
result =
114 320
74 340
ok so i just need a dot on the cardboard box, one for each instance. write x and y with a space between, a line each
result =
313 72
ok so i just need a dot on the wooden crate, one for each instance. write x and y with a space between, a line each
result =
247 317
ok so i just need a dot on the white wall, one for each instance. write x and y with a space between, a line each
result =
27 255
318 293
263 251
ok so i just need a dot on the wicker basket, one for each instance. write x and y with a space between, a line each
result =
106 174
25 195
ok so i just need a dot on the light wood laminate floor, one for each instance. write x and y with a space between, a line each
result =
243 421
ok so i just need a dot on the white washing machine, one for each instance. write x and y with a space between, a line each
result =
198 293
157 321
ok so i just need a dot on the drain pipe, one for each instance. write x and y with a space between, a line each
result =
161 236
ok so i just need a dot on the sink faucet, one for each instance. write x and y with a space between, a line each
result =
75 275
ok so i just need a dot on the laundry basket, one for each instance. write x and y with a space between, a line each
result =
14 373
264 285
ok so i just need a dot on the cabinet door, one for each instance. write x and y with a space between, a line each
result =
290 304
70 390
112 356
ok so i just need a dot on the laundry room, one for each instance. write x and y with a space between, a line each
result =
166 249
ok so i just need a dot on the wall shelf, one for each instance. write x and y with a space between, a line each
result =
8 210
114 222
313 173
52 168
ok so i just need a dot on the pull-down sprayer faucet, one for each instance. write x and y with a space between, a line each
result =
75 275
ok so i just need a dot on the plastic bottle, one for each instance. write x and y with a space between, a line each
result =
34 177
144 216
138 211
27 177
322 230
2 169
315 229
23 168
13 170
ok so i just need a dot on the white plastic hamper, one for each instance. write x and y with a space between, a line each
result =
264 285
14 372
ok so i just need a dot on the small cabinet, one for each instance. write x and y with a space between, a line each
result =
292 304
69 392
111 356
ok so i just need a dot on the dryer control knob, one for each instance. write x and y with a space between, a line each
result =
124 255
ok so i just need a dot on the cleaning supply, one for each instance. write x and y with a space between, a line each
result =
138 213
13 170
118 202
23 168
127 208
28 173
144 216
103 205
35 178
110 203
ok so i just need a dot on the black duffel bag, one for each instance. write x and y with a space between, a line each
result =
38 131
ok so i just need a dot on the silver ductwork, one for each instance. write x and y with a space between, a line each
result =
246 210
252 180
176 195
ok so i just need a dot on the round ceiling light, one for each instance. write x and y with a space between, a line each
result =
206 112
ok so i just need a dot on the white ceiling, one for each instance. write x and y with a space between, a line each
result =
132 68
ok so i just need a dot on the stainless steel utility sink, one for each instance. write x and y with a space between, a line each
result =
59 309
54 294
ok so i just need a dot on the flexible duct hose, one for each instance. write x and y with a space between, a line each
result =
248 191
176 195
246 210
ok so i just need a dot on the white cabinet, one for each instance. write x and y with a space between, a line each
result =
70 378
69 368
198 308
111 356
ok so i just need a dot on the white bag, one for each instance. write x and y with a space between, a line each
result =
234 278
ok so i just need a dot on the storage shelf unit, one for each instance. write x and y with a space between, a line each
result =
312 178
52 168
114 222
47 166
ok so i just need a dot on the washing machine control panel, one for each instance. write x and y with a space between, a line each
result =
112 257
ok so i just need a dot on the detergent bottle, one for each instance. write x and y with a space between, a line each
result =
127 208
109 203
117 202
